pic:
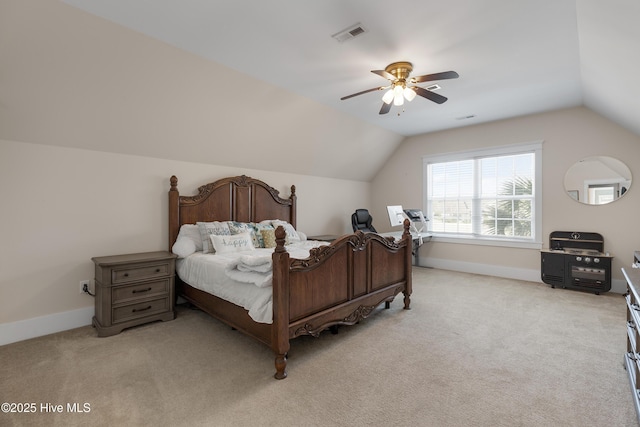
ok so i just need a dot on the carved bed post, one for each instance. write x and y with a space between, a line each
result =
174 211
293 198
280 327
406 236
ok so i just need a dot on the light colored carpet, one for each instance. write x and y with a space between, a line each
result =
473 351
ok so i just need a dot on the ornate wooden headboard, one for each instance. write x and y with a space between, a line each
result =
239 198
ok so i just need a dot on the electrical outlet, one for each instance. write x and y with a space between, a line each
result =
84 283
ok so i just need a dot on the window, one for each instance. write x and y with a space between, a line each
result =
488 196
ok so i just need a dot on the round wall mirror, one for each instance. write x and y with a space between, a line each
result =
597 180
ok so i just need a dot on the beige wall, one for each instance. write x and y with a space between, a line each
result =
568 135
62 206
72 79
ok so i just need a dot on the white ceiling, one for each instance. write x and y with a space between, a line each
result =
514 57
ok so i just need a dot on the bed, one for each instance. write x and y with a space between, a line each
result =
339 283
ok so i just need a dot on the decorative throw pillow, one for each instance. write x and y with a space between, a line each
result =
269 237
233 243
245 227
215 228
236 227
292 235
258 229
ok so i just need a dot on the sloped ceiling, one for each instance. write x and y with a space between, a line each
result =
609 33
266 77
514 57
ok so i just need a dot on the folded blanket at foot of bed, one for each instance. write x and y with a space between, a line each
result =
251 269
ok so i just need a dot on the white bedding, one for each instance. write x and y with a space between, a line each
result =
251 268
207 273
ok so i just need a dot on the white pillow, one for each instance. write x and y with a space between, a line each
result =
292 235
234 243
212 228
191 232
184 246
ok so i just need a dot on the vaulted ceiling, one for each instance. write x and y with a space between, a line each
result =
278 59
513 57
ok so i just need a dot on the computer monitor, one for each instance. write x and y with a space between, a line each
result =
396 215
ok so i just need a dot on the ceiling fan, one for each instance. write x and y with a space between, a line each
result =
399 89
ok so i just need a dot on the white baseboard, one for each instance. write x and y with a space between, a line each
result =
485 269
617 286
45 325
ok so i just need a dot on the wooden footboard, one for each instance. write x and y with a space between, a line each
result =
339 284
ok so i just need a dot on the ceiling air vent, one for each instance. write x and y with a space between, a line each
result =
349 33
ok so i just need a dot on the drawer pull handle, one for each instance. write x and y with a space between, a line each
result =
136 310
157 270
136 291
126 274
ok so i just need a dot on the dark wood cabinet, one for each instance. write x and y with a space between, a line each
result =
133 289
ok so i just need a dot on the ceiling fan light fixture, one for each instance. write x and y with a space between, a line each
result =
409 94
398 95
387 98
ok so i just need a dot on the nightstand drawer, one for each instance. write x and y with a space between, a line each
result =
121 294
146 271
143 309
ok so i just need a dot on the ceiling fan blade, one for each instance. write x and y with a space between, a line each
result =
385 74
437 76
361 93
385 108
432 96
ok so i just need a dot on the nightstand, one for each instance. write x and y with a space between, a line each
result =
133 289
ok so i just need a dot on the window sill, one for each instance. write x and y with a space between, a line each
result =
470 240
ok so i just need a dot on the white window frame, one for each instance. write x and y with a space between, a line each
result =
535 242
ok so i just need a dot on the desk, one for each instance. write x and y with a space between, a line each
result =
424 236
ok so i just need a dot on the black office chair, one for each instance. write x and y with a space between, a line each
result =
361 220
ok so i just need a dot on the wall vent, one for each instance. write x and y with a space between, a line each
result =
349 33
433 87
